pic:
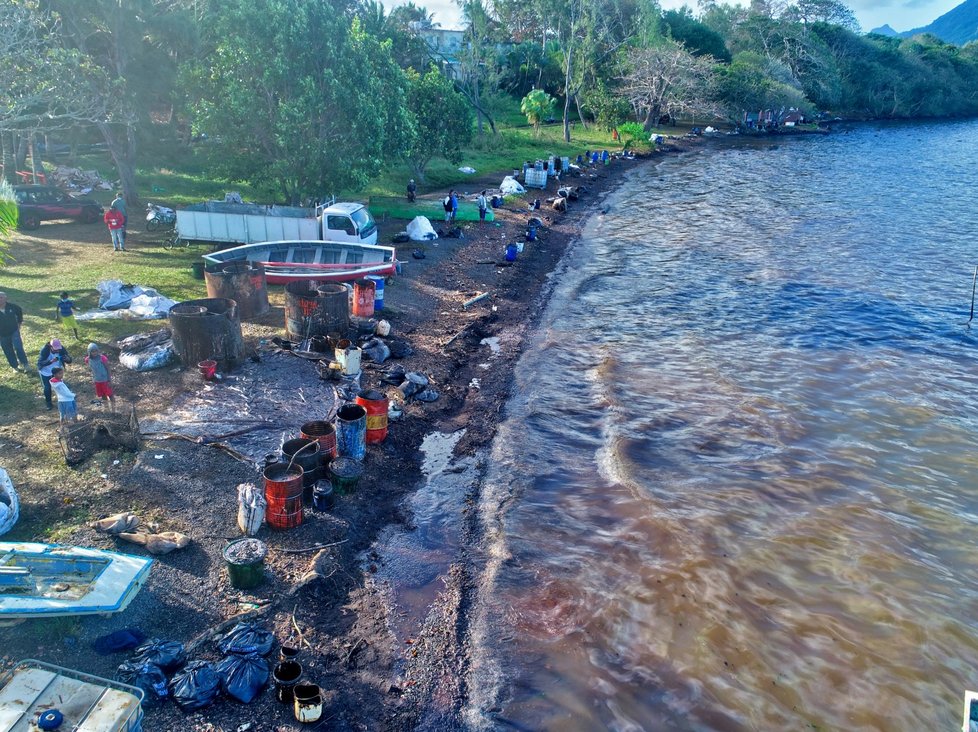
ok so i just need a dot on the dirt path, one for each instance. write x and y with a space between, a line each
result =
342 620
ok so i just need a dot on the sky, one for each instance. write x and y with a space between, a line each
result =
902 15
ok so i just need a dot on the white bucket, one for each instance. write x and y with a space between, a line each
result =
349 359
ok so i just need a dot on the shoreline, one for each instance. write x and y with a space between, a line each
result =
343 619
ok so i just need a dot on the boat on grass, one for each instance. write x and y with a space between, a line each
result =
9 503
321 261
48 580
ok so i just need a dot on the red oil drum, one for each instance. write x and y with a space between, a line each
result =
364 292
324 433
283 496
375 405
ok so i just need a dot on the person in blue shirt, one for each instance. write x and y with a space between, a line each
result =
66 314
454 201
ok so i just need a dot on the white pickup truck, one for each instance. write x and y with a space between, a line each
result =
248 223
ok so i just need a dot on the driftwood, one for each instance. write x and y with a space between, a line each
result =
458 335
316 570
200 441
308 548
474 300
221 628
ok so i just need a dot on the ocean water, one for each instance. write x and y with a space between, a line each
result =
736 487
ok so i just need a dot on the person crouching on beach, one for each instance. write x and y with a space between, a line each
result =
67 411
98 362
66 314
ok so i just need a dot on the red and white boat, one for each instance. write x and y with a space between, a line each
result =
321 261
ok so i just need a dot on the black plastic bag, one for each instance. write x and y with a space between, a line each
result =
196 687
243 677
146 676
247 638
120 640
168 655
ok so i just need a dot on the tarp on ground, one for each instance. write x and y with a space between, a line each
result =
510 186
420 229
128 302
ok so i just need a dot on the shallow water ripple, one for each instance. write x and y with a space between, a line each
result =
736 487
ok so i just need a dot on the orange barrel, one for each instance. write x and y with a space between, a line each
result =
364 292
376 405
308 455
283 496
322 432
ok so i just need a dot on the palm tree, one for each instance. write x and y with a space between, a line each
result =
8 217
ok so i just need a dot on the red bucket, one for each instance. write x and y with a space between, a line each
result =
375 405
283 496
207 369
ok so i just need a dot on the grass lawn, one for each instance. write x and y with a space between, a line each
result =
75 257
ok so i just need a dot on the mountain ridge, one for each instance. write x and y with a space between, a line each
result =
959 25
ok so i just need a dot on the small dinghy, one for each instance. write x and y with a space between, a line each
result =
9 504
47 580
321 261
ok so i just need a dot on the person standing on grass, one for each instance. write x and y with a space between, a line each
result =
453 197
119 204
11 317
66 314
98 362
483 204
67 409
116 221
53 356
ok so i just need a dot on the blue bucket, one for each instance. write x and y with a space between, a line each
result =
511 252
379 292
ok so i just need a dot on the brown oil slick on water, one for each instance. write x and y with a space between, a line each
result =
737 487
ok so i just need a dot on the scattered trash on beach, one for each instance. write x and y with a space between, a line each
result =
116 523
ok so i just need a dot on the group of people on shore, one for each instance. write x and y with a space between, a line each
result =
54 358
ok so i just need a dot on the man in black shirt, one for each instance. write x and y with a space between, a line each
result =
11 316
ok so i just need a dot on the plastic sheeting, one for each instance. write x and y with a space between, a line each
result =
9 503
147 351
420 229
129 302
511 186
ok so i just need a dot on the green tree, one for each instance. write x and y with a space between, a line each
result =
442 118
125 57
697 37
538 106
299 98
668 80
8 218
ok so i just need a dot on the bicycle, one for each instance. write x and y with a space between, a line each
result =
174 241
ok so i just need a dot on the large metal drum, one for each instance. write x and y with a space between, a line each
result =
207 329
243 282
316 311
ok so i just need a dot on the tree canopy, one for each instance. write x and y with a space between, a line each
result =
304 99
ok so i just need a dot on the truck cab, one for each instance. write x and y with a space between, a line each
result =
348 222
